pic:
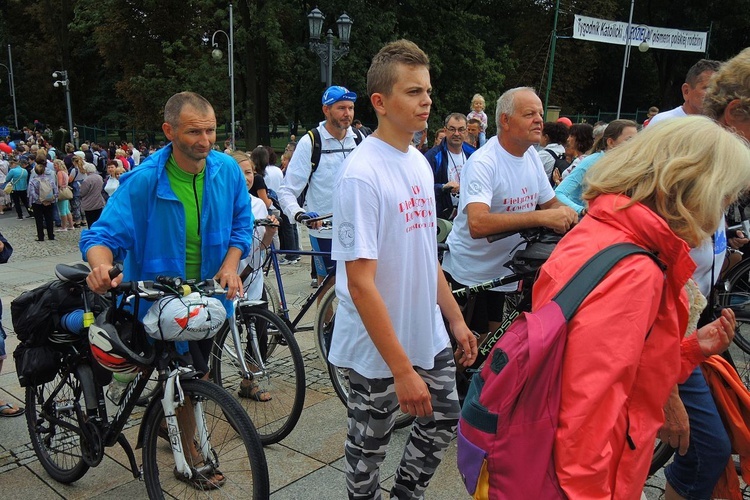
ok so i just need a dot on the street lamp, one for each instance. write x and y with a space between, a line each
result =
11 85
325 50
63 81
216 54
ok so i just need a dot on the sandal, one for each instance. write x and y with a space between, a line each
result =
255 392
204 478
9 414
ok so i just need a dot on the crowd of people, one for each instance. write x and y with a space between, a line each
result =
665 188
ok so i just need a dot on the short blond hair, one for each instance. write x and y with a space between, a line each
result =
382 73
687 170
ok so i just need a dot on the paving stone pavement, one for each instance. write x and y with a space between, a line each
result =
307 464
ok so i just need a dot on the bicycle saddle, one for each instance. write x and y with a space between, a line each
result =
76 273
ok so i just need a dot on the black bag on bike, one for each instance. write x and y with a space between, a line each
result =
36 365
36 313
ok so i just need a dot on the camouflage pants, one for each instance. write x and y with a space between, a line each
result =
372 409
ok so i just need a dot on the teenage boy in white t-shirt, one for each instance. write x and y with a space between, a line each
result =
389 332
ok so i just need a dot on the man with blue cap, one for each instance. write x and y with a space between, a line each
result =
315 164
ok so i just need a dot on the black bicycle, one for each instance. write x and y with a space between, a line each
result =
70 428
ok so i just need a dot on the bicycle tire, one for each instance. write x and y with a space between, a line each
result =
284 377
662 453
229 429
58 449
737 296
272 297
324 322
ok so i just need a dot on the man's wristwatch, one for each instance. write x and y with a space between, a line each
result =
298 216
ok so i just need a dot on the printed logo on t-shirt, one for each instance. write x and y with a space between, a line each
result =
720 242
523 203
346 234
475 187
418 210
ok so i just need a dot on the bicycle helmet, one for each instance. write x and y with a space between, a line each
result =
112 350
193 317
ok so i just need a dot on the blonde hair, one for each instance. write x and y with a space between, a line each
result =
477 97
687 170
240 156
731 82
119 170
382 73
60 165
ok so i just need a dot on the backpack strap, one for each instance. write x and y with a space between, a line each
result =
588 277
316 150
553 154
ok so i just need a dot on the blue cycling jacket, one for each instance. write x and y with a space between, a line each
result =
143 223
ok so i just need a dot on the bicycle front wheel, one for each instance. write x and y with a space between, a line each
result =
662 453
324 323
237 465
58 448
280 375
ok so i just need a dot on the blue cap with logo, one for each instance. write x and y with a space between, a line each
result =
335 94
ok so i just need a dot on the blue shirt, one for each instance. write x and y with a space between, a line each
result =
19 177
571 188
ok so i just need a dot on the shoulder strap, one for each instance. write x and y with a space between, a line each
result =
552 154
357 136
585 280
316 149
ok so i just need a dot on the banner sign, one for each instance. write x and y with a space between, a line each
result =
602 30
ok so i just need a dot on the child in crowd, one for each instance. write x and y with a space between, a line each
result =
477 112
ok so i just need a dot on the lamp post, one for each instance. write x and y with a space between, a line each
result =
11 85
216 54
63 80
327 53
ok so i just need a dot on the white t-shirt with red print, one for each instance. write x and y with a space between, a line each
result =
384 210
506 184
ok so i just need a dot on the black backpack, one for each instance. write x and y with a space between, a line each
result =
317 150
36 313
560 162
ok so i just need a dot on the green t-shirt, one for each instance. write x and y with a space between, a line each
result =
189 190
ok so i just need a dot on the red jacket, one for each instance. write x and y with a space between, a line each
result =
623 351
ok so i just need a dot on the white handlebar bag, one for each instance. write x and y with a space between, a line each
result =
193 317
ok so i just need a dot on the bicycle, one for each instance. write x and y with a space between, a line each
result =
68 422
257 346
524 266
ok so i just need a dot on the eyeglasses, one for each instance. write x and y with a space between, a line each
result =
453 130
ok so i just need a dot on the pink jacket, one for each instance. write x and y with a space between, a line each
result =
624 351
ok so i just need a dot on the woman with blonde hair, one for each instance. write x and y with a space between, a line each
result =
693 424
630 341
63 206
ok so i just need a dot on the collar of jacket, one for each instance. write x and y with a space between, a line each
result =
646 229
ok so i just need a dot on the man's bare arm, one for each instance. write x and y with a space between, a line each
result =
412 392
553 215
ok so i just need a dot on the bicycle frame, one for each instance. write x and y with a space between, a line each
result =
283 313
237 354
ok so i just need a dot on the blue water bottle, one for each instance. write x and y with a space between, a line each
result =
72 321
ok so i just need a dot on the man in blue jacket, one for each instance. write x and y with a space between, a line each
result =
183 212
447 159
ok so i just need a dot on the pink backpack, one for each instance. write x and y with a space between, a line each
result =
509 417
